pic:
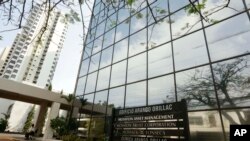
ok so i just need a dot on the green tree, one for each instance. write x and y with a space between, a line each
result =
29 120
59 125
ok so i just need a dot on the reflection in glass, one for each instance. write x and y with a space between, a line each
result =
176 5
91 82
87 50
137 68
120 50
183 23
97 45
111 22
80 86
101 98
196 86
118 73
158 33
159 9
84 67
235 117
233 82
100 29
222 12
94 63
90 98
138 42
103 79
116 97
136 95
190 51
122 31
96 131
106 57
161 90
224 43
108 38
123 14
138 21
160 61
206 126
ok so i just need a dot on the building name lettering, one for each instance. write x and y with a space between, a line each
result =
142 139
141 118
157 108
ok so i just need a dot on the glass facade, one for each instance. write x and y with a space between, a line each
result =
160 53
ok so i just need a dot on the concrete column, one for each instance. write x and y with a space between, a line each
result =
75 112
54 111
41 118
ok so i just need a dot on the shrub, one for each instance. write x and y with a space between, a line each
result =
71 138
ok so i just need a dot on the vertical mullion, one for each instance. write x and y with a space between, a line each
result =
245 6
172 49
88 71
212 73
147 57
110 73
126 77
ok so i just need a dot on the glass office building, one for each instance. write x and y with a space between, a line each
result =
162 51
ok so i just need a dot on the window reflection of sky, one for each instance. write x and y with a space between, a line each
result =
189 51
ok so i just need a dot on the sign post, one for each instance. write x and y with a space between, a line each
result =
163 122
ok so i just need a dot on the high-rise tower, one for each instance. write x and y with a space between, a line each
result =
32 59
33 56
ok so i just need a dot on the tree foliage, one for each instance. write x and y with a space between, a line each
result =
29 120
199 89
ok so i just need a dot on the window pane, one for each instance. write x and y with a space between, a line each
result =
97 45
137 68
183 23
138 42
190 51
116 97
87 50
90 98
206 126
122 31
109 38
196 86
233 82
176 5
161 90
111 22
91 82
224 43
138 21
221 13
80 86
106 57
103 79
136 95
235 117
160 61
121 50
94 64
118 73
84 67
101 98
100 29
159 9
158 33
123 14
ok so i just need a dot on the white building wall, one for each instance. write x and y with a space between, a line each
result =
33 54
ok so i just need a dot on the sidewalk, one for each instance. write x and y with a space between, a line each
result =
18 137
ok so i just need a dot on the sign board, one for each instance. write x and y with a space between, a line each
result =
163 122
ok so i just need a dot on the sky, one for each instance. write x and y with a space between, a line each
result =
67 67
